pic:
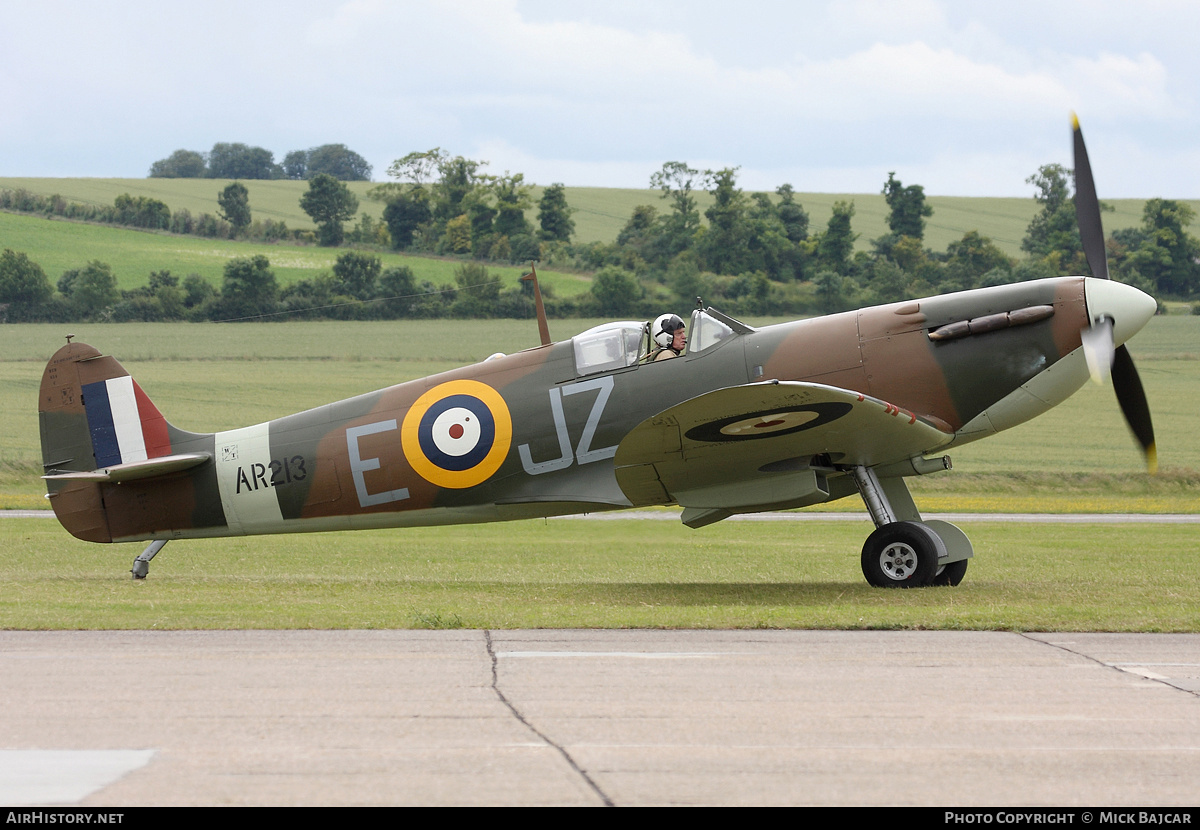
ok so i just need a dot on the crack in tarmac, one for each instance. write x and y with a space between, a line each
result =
487 635
1155 678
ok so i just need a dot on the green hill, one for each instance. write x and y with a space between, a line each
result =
58 245
600 212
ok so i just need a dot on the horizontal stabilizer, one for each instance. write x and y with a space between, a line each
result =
135 470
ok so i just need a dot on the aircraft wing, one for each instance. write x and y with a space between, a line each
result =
751 446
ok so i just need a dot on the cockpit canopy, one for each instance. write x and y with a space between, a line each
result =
617 345
609 346
707 331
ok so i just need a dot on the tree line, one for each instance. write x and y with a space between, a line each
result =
444 204
240 161
357 287
154 214
756 254
328 201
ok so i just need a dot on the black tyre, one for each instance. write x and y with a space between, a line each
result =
952 574
901 555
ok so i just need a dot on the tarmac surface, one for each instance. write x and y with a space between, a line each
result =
938 718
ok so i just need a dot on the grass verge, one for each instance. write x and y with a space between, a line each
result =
630 573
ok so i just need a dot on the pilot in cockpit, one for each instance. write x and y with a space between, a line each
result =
670 335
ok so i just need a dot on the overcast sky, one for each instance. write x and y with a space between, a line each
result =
965 98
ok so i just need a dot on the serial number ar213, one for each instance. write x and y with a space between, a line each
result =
283 471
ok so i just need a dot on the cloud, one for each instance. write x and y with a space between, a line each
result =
831 90
1119 86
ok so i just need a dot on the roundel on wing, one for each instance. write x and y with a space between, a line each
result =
457 434
770 423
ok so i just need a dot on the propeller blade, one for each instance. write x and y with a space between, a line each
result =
1132 398
1098 350
1087 208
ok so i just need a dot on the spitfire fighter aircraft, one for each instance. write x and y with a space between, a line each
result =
743 420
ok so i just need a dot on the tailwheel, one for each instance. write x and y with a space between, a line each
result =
141 565
902 555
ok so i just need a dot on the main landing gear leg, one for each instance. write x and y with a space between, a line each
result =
141 565
906 551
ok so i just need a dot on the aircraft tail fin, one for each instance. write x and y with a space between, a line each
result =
98 425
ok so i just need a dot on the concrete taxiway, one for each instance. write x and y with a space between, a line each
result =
598 717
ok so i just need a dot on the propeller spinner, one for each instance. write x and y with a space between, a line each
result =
1103 356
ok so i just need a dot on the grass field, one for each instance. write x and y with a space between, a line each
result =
536 574
600 212
58 245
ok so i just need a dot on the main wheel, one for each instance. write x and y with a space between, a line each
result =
951 574
901 555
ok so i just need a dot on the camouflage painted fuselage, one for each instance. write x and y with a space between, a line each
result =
528 434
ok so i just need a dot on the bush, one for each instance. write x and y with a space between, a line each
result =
182 164
523 248
22 281
141 212
91 290
212 227
356 274
617 292
249 289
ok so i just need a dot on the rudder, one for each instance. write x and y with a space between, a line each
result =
93 417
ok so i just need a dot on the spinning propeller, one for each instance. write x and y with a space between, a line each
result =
1103 358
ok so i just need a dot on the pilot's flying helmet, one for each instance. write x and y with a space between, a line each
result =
664 328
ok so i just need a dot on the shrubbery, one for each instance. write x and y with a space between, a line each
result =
357 288
755 254
152 214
